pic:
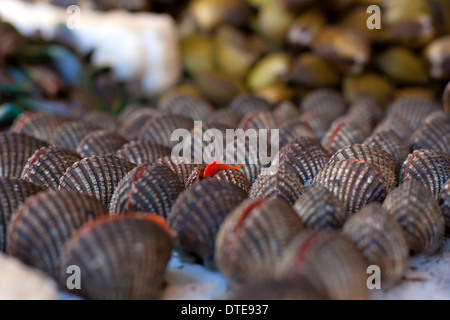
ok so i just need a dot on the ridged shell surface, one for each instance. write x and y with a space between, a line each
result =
247 103
413 110
100 142
160 129
143 152
190 107
40 125
390 142
72 133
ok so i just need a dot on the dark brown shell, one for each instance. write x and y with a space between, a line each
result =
429 167
287 110
327 102
367 110
40 125
305 157
344 132
318 122
252 239
293 129
248 103
261 120
143 152
97 176
419 214
233 176
444 199
160 129
354 182
38 229
381 240
179 166
133 123
384 162
331 262
121 257
101 119
190 107
72 133
225 117
148 188
433 134
390 142
413 110
319 209
100 142
48 165
197 216
15 150
13 192
277 183
398 126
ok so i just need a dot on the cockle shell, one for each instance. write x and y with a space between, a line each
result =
318 122
103 120
397 125
179 166
225 117
380 238
143 152
248 103
287 110
97 176
40 227
252 239
390 142
232 176
148 188
132 124
100 142
327 102
120 257
261 120
412 110
444 199
190 107
197 216
293 129
433 134
160 129
48 165
419 214
72 133
366 109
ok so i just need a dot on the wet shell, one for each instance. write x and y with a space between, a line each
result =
197 216
97 176
331 262
121 257
71 134
444 199
277 183
15 150
293 129
366 109
232 176
252 239
190 107
103 120
319 209
148 188
327 102
179 166
39 125
38 229
342 133
318 122
13 192
429 167
433 134
354 182
390 142
380 238
382 160
304 157
100 142
248 103
412 110
225 117
131 125
419 214
398 126
160 129
143 152
48 165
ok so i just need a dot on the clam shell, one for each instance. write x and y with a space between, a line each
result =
327 102
354 182
39 125
342 133
232 176
160 129
382 160
252 239
120 257
318 122
197 216
419 214
444 199
97 176
305 157
182 169
40 227
103 120
148 188
71 134
366 109
381 240
133 123
247 103
225 117
13 192
48 165
433 134
203 135
319 209
397 125
412 110
287 110
190 107
143 152
15 150
261 120
331 262
390 142
282 184
293 129
429 167
100 142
